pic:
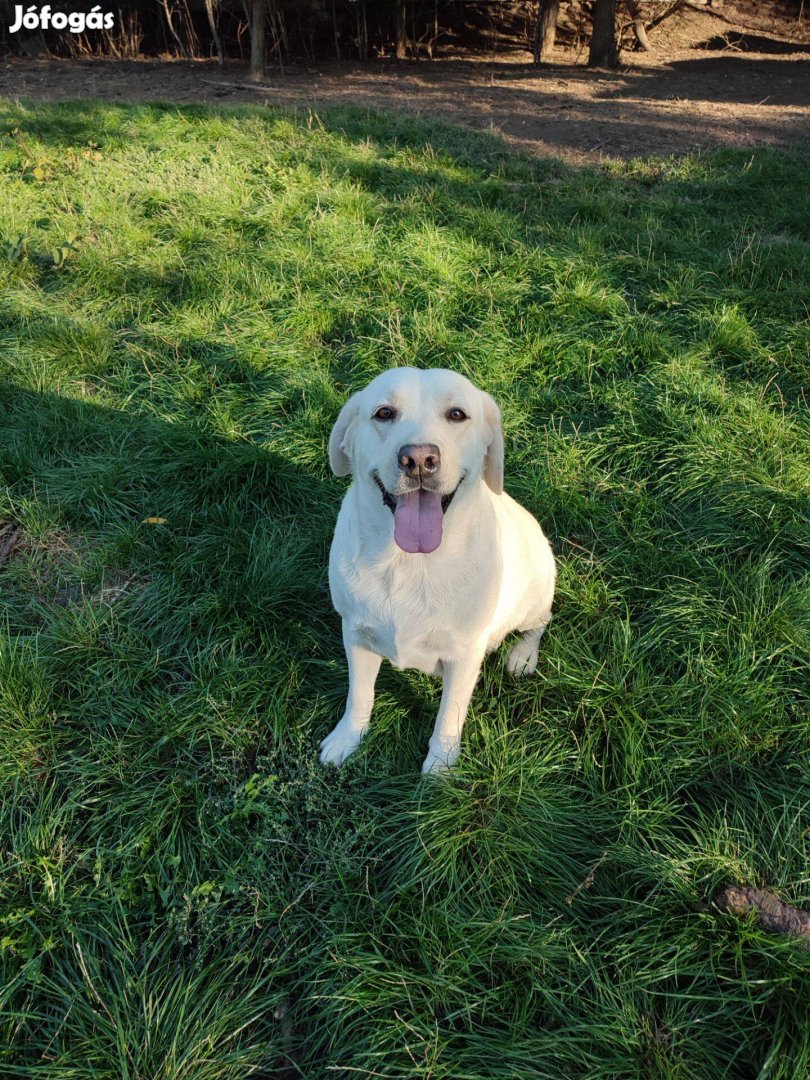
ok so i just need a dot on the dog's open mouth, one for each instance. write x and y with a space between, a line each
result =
391 500
417 516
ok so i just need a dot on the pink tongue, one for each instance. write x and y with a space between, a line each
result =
418 521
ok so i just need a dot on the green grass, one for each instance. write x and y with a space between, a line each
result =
186 298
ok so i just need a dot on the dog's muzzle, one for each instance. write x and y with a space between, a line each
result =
390 500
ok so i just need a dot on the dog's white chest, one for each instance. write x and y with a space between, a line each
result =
402 649
414 612
397 616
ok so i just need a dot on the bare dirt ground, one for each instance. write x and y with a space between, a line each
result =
726 78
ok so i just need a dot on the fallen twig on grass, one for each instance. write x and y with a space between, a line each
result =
771 913
586 884
11 536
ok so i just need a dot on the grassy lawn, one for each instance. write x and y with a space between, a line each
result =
187 296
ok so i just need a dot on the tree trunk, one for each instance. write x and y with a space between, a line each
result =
192 41
335 31
168 13
362 31
545 30
279 28
604 50
402 31
258 21
638 25
212 22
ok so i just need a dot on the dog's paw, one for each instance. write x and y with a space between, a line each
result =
440 761
341 742
522 657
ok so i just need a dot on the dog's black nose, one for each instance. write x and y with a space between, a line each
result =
419 461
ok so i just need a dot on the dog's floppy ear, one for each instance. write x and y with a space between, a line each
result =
493 462
340 439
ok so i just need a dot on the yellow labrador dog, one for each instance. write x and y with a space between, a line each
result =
432 563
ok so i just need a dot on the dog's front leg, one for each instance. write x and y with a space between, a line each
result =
345 737
460 677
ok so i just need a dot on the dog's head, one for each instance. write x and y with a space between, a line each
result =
423 439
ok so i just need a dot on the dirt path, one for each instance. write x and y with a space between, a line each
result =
709 83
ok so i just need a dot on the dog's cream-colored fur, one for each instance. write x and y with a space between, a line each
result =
442 612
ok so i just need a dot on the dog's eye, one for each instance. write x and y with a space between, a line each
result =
385 412
456 415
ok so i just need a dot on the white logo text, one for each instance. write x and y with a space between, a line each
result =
75 21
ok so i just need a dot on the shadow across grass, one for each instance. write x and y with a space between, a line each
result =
170 837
